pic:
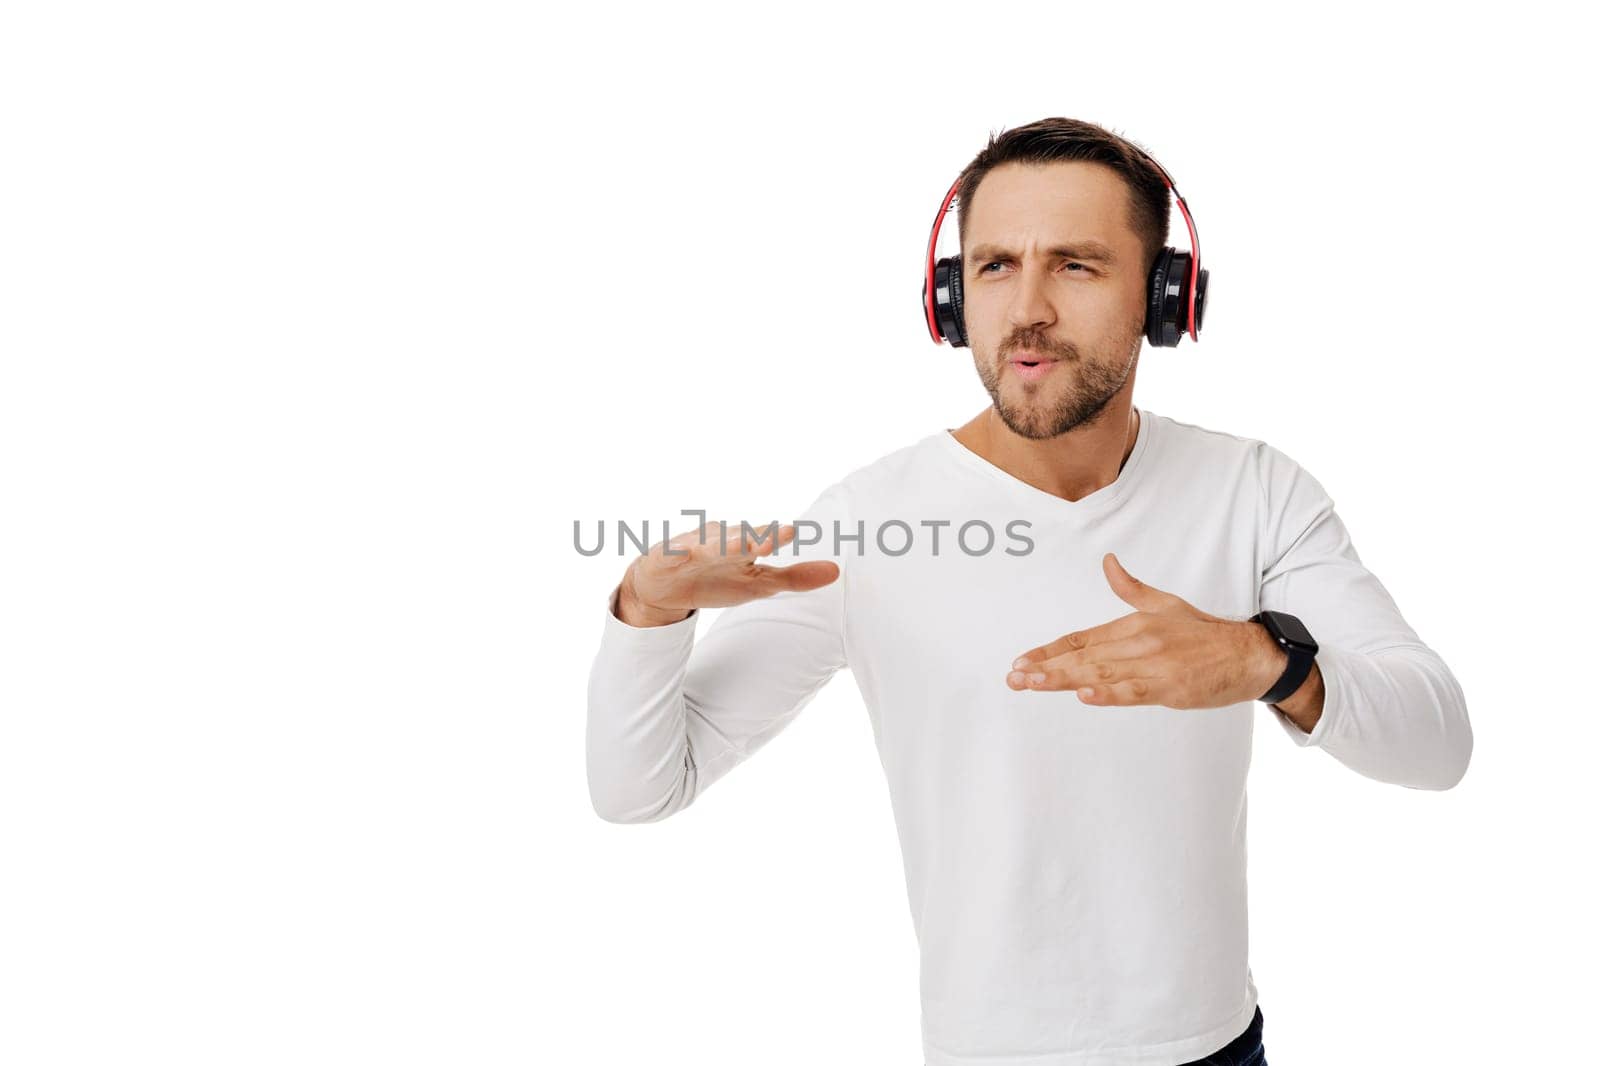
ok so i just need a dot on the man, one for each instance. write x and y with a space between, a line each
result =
1064 706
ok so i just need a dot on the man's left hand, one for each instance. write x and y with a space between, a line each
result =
1167 652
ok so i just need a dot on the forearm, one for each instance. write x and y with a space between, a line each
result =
668 716
636 736
1395 715
1384 703
1303 707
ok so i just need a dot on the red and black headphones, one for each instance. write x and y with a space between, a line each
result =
1176 288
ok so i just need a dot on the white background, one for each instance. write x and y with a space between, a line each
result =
322 323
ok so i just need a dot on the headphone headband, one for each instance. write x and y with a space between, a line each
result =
933 239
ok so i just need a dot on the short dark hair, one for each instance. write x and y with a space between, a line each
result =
1056 140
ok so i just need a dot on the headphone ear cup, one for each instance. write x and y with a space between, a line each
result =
958 302
1168 301
947 301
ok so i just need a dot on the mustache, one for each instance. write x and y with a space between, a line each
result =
1033 342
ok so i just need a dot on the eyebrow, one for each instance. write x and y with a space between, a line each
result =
1082 250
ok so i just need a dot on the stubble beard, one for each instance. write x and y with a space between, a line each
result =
1083 386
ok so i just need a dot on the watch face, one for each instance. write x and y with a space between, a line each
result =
1291 629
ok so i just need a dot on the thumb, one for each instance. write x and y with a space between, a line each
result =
1131 590
806 576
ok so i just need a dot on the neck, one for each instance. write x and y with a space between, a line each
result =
1082 460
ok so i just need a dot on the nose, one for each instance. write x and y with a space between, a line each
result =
1030 302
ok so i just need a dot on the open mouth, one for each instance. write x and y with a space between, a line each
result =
1031 367
1025 357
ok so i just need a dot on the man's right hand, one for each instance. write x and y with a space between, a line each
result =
660 588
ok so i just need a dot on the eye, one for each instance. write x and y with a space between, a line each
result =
1074 267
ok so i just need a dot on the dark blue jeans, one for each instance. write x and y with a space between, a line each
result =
1246 1049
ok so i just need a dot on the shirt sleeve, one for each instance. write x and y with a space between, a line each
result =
1392 710
667 716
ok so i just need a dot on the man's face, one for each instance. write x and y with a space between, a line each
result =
1053 275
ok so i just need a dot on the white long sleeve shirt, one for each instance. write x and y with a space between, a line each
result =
1076 873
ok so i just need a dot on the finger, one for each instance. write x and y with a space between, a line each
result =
1094 661
726 540
1137 593
1125 659
798 577
1083 638
720 538
1133 692
743 538
760 541
681 548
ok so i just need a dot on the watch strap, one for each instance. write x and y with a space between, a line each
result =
1294 674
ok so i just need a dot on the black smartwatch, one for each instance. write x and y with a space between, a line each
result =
1292 636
